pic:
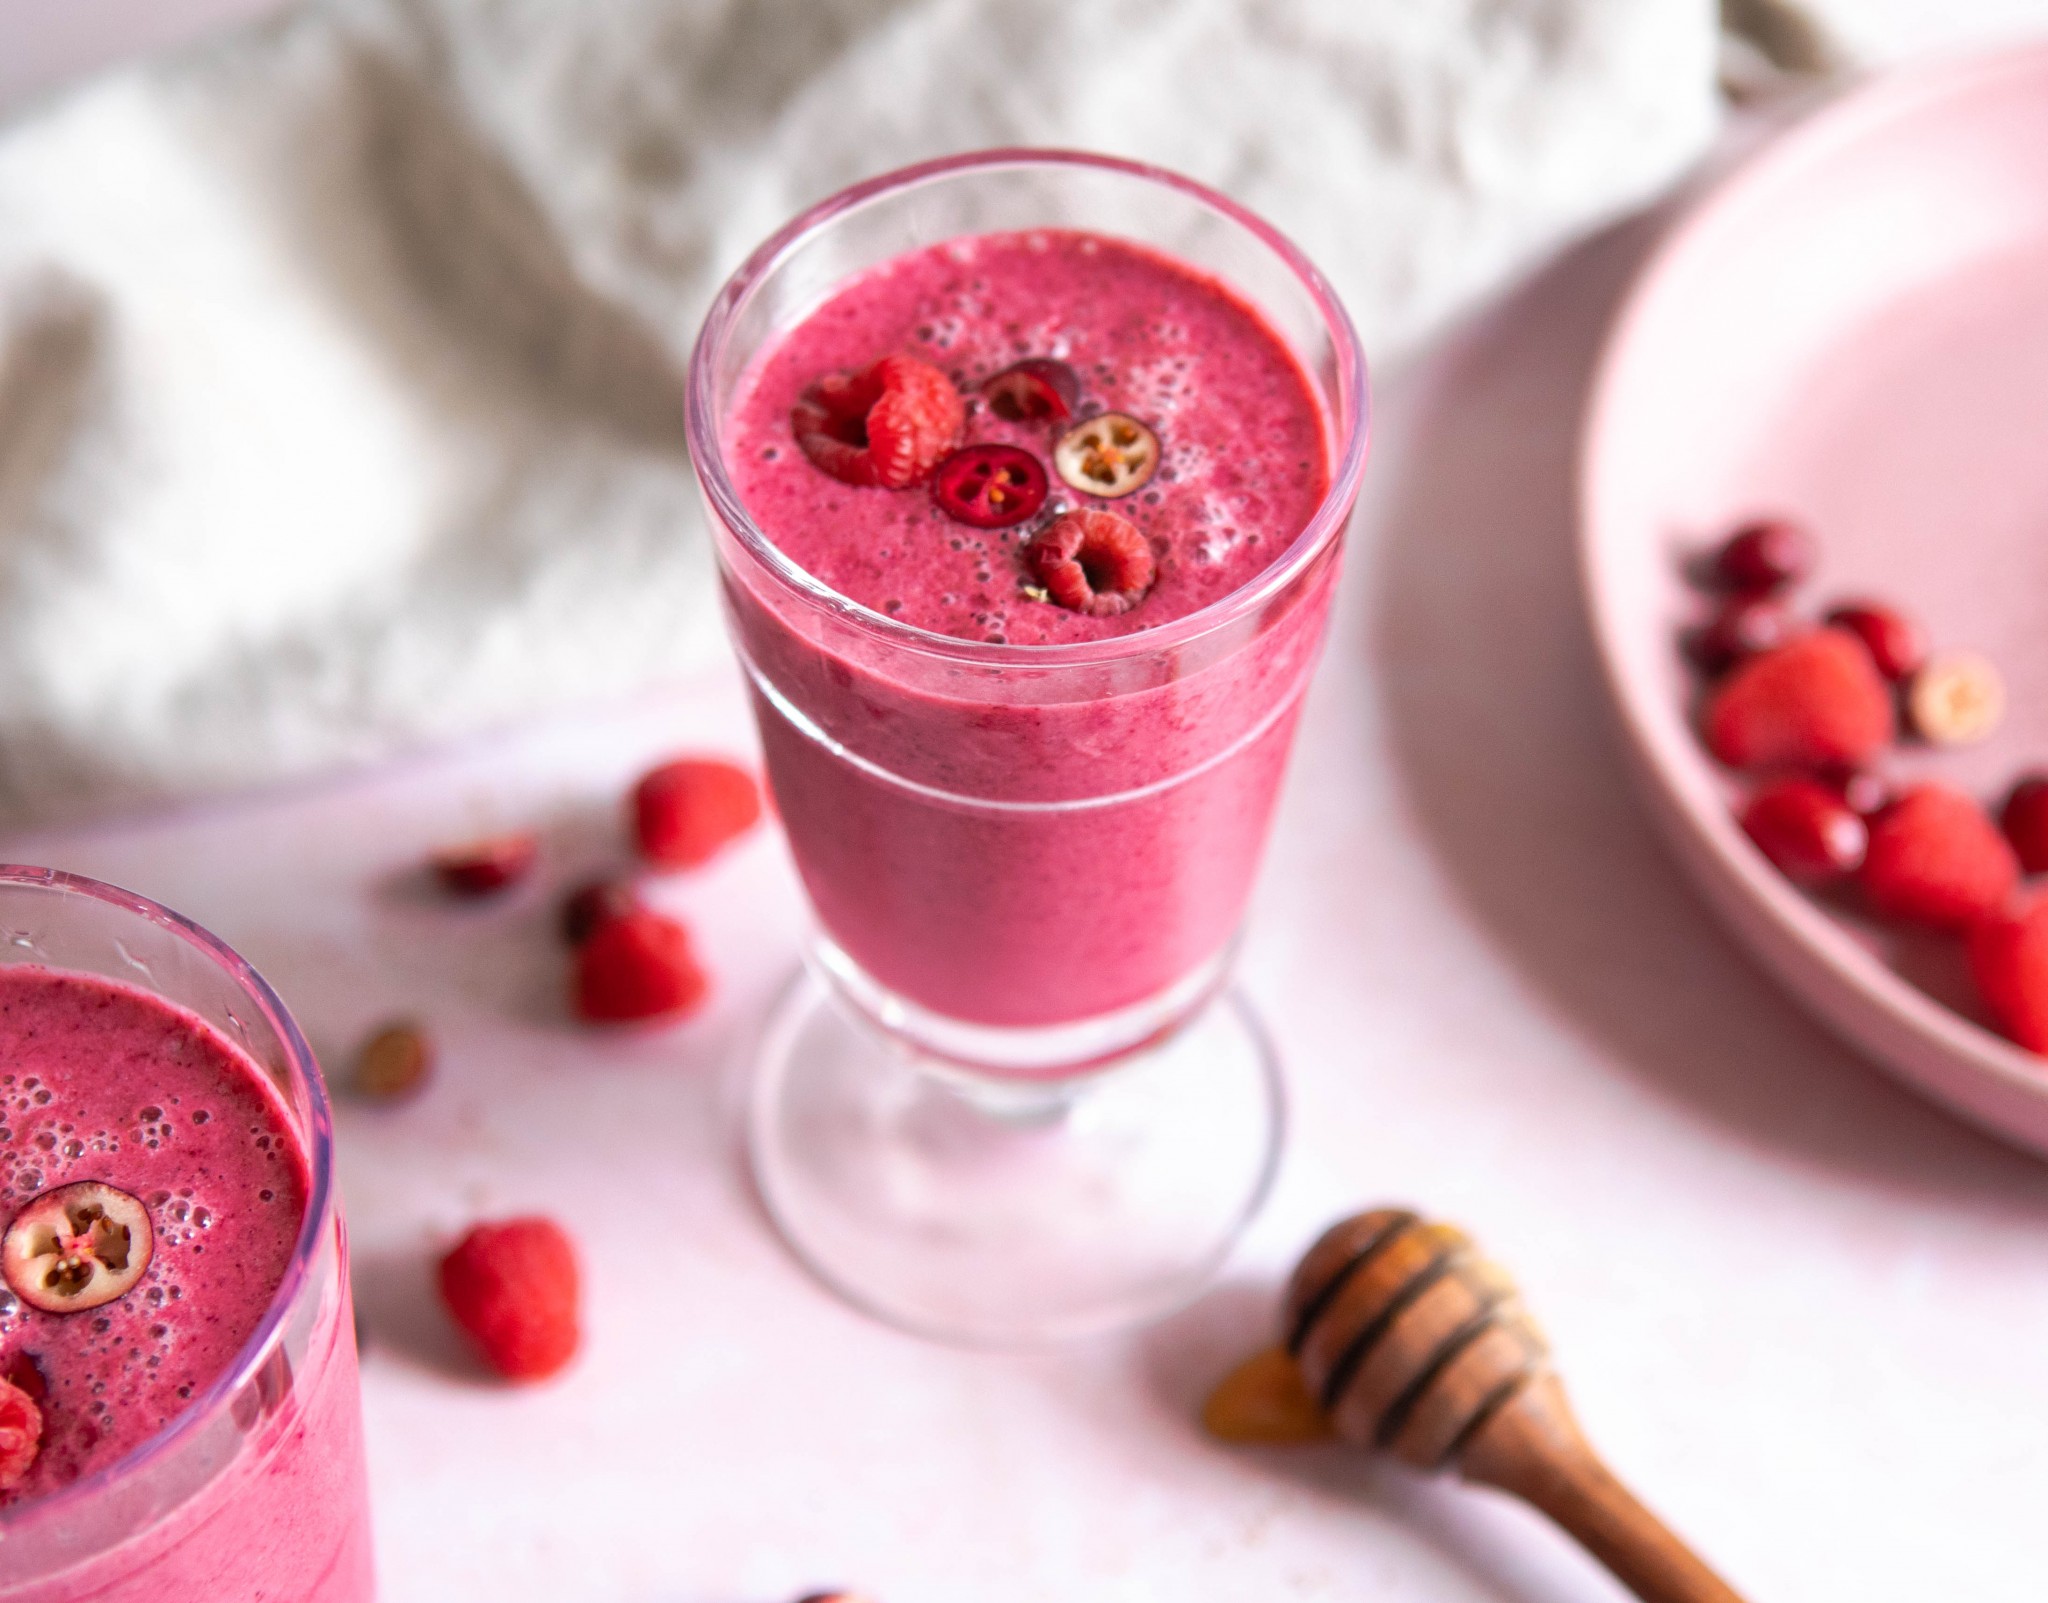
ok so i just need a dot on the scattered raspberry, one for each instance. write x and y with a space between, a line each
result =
1092 562
886 425
2025 817
485 867
21 1434
990 486
395 1062
1035 390
1806 830
1767 554
1955 699
637 966
512 1287
2009 960
595 902
684 811
1936 858
1818 702
1745 627
1895 642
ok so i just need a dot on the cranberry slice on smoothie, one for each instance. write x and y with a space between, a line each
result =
990 486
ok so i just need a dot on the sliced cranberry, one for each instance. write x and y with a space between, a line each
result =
1745 626
1036 390
1806 830
1110 455
1955 698
485 867
1092 562
1767 554
1896 642
990 486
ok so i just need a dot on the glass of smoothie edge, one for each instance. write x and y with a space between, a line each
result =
254 1486
1013 1096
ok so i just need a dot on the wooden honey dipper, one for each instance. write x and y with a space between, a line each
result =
1400 1337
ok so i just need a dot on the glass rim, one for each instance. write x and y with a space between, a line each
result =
1321 530
304 1067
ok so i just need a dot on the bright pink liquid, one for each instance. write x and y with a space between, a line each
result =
104 1082
1005 847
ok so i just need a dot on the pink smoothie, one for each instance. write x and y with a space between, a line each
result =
1004 842
101 1081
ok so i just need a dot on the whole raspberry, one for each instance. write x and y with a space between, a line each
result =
684 811
1817 702
21 1434
1092 562
1935 858
1806 830
2025 817
2009 961
513 1288
637 966
886 425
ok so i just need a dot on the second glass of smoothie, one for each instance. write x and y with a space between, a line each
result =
1029 472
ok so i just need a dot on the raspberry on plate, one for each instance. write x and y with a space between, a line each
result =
513 1287
637 966
1935 858
1816 702
1808 831
2009 961
886 425
686 810
21 1434
1092 562
2025 817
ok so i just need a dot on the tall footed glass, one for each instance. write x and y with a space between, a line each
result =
1014 1097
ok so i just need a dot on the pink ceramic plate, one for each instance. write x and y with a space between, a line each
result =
1854 329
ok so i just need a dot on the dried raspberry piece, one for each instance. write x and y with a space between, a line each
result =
21 1434
637 966
1092 562
1766 554
1817 702
395 1062
1895 642
1955 699
485 867
886 425
990 486
595 902
76 1247
1742 629
1038 389
2009 961
1110 455
1935 858
2025 817
513 1287
685 810
1806 830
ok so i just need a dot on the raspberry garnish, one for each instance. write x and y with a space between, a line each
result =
1110 455
990 486
1035 390
485 867
685 810
595 902
1806 830
637 966
21 1434
2025 817
1895 641
886 425
394 1062
513 1288
77 1247
1092 562
1765 555
1936 859
1817 703
2009 961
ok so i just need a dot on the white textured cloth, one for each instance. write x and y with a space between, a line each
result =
341 361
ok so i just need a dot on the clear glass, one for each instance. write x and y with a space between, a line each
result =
257 1488
982 1113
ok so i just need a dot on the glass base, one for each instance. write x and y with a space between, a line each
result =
1011 1212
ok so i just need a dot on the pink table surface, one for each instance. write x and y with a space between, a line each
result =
1799 1308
